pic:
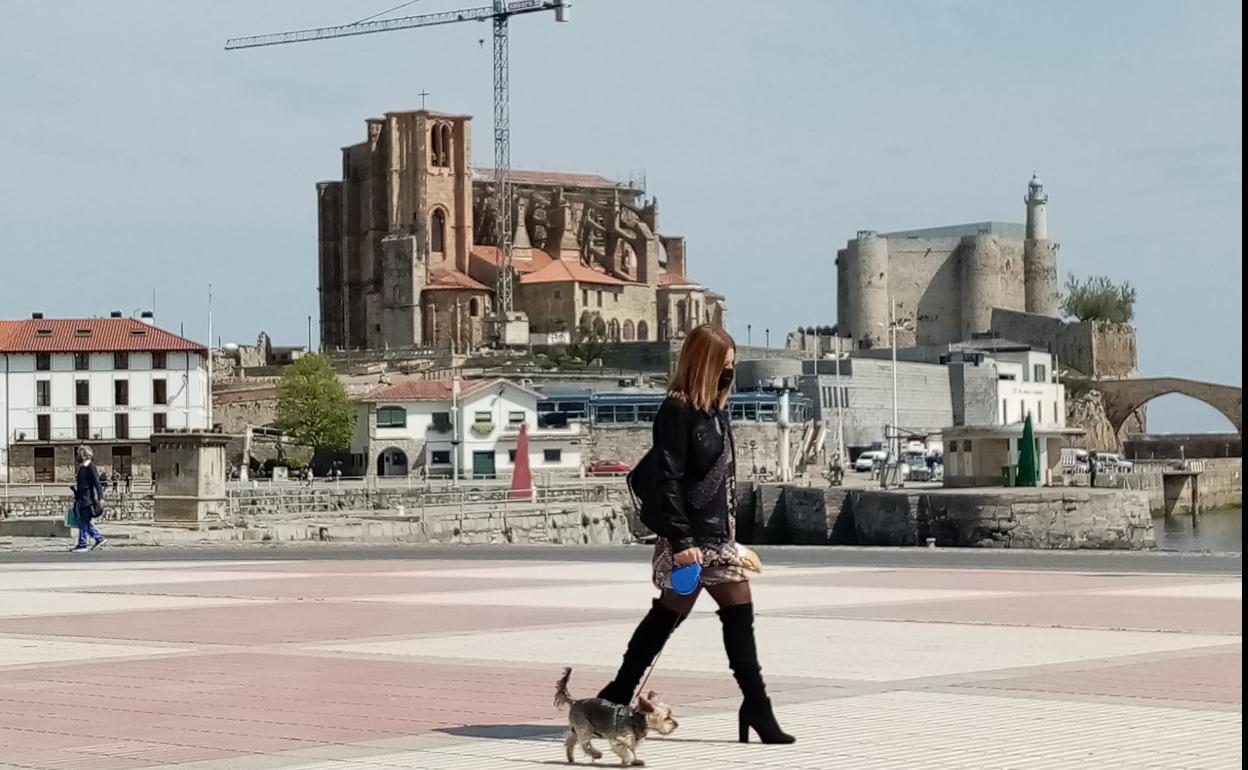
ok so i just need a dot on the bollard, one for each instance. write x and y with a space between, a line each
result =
931 542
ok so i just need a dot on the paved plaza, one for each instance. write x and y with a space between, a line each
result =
450 663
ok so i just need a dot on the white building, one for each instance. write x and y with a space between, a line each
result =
105 382
980 449
424 426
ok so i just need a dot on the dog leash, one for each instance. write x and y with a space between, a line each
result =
655 663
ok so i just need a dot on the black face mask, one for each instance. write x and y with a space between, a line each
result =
726 376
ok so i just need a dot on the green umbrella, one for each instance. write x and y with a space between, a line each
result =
1027 470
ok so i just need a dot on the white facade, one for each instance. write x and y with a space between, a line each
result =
49 399
1027 385
399 436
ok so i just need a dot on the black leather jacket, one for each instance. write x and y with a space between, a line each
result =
687 444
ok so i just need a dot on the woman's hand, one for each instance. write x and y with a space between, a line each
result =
688 556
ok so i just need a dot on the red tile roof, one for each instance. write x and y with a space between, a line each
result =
453 279
533 263
563 271
89 335
424 390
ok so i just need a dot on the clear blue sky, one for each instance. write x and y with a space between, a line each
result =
139 155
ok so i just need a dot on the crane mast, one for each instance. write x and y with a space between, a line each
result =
500 13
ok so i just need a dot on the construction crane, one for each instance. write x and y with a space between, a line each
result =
500 13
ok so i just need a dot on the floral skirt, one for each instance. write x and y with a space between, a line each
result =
720 563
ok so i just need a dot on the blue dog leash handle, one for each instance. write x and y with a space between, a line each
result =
685 579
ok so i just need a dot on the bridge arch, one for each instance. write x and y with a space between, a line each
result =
1123 397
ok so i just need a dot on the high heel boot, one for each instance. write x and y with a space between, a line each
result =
756 712
651 634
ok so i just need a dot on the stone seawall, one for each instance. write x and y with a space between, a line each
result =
1045 518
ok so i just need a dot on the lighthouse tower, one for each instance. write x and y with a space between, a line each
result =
1039 254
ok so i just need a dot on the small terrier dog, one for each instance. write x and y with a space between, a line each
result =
623 727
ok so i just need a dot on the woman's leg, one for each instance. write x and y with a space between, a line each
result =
666 613
736 613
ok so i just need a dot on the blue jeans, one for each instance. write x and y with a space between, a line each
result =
85 529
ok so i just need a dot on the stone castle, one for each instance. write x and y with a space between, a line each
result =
947 281
407 257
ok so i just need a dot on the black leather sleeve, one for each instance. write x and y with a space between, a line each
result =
671 453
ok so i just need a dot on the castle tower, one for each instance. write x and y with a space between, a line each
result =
980 275
866 272
1039 254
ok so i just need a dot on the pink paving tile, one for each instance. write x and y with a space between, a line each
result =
1205 616
1212 678
986 580
320 586
294 621
210 706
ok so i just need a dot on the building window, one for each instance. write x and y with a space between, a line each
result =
481 417
552 455
82 362
953 447
160 361
437 231
392 417
82 426
511 456
1040 373
613 330
160 422
442 422
435 146
159 394
585 297
121 392
630 332
121 360
43 427
441 457
82 392
43 361
515 418
643 331
474 307
43 393
121 426
600 298
966 445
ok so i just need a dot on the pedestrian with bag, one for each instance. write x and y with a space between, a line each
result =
88 501
687 489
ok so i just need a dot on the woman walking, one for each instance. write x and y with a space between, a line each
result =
88 500
694 470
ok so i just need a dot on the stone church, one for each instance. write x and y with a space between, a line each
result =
408 260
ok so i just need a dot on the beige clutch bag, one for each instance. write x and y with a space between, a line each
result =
749 559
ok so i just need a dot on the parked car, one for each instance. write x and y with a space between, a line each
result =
868 460
1113 463
610 468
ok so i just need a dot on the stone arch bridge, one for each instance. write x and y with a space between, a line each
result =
1123 396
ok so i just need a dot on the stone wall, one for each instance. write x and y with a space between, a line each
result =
1045 518
120 506
1092 348
629 443
1191 446
1219 484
